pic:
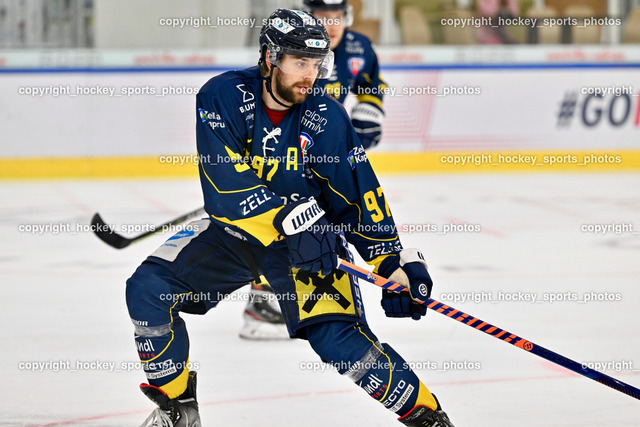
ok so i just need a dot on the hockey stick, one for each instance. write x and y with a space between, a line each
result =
494 331
110 237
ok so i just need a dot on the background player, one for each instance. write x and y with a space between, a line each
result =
355 70
282 175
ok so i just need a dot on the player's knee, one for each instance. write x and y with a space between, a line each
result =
135 290
341 343
147 295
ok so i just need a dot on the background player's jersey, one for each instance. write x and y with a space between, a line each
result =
249 169
355 70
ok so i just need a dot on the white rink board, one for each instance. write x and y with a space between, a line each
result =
515 109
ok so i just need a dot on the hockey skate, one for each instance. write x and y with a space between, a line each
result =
179 412
262 317
421 416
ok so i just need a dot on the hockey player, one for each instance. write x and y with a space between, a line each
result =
356 71
285 182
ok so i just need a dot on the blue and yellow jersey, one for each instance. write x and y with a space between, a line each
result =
250 168
355 70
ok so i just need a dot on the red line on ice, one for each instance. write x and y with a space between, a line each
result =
299 395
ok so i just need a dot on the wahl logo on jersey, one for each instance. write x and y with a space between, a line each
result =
356 64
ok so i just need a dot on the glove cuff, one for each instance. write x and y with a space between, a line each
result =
412 255
297 217
391 267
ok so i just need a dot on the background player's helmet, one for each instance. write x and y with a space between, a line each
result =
321 5
296 33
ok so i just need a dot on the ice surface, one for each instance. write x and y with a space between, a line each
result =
63 301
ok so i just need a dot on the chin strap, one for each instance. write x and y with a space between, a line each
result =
269 81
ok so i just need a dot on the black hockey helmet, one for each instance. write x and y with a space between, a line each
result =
326 4
297 33
331 5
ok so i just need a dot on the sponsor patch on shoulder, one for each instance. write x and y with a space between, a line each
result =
214 119
355 156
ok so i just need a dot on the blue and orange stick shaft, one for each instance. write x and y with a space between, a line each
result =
496 332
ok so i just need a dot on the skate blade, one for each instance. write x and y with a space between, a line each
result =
260 331
157 419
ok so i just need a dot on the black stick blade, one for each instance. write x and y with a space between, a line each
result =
106 233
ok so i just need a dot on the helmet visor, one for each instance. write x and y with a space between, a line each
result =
304 63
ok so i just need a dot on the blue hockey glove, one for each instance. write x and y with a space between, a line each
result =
409 269
367 121
308 235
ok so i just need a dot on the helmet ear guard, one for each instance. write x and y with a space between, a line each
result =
273 53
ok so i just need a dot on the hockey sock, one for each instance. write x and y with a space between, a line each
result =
153 301
376 367
387 377
164 352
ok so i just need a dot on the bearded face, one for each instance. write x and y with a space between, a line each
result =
291 89
294 76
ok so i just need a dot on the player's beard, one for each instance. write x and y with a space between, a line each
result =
290 93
